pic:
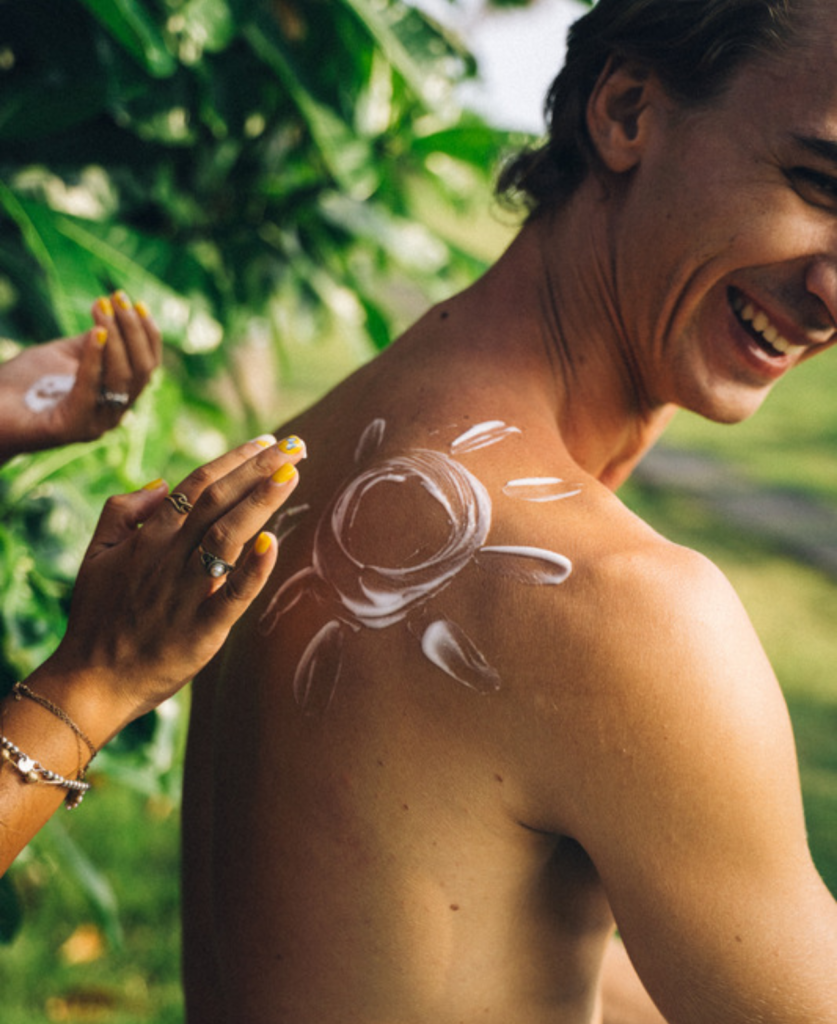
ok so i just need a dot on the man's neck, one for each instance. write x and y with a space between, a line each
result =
555 292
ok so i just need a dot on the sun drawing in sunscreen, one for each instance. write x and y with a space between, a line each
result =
361 595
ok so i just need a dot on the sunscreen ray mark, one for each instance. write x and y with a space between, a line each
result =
535 566
448 647
287 521
481 436
540 488
292 590
319 669
370 441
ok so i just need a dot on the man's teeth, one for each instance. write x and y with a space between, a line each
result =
760 323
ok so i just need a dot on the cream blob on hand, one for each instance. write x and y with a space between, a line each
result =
48 391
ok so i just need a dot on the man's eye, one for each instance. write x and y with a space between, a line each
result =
814 186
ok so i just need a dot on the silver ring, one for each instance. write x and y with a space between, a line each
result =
213 565
181 502
120 399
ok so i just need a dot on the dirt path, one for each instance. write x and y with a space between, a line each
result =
798 525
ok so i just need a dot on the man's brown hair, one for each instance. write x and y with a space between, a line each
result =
693 46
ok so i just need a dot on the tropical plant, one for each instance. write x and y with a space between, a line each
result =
283 182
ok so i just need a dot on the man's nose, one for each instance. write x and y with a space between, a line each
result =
821 282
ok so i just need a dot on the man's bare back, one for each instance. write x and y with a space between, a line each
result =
483 713
380 851
409 744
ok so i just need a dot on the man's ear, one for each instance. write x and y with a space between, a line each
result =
618 115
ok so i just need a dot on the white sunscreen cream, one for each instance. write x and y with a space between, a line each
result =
358 593
48 391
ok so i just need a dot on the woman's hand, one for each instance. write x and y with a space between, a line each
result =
148 610
75 389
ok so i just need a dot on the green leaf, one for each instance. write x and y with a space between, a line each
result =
130 260
30 316
473 143
377 325
93 882
373 17
30 606
56 110
11 912
209 23
347 157
71 283
83 259
130 24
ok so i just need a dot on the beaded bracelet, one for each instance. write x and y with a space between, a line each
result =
34 772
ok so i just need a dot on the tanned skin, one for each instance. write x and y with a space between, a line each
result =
434 806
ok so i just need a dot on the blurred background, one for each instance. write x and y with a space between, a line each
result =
287 184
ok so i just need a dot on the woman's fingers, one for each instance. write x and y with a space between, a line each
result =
219 487
122 514
152 333
115 390
82 396
220 545
80 416
242 587
133 351
184 496
210 515
202 526
242 498
167 613
139 345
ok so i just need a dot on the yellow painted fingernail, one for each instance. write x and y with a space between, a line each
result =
106 306
141 309
122 300
101 335
262 545
154 484
264 440
284 474
293 445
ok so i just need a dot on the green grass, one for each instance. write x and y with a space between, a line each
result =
134 841
790 442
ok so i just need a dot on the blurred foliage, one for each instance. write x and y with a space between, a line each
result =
251 171
257 172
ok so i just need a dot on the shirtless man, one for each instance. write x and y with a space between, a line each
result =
484 714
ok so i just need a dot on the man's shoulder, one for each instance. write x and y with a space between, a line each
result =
645 651
635 606
618 567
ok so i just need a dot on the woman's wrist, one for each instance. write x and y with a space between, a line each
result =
42 748
89 697
48 727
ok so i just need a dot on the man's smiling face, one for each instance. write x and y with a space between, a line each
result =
726 242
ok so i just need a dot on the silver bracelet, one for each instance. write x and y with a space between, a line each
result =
34 772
